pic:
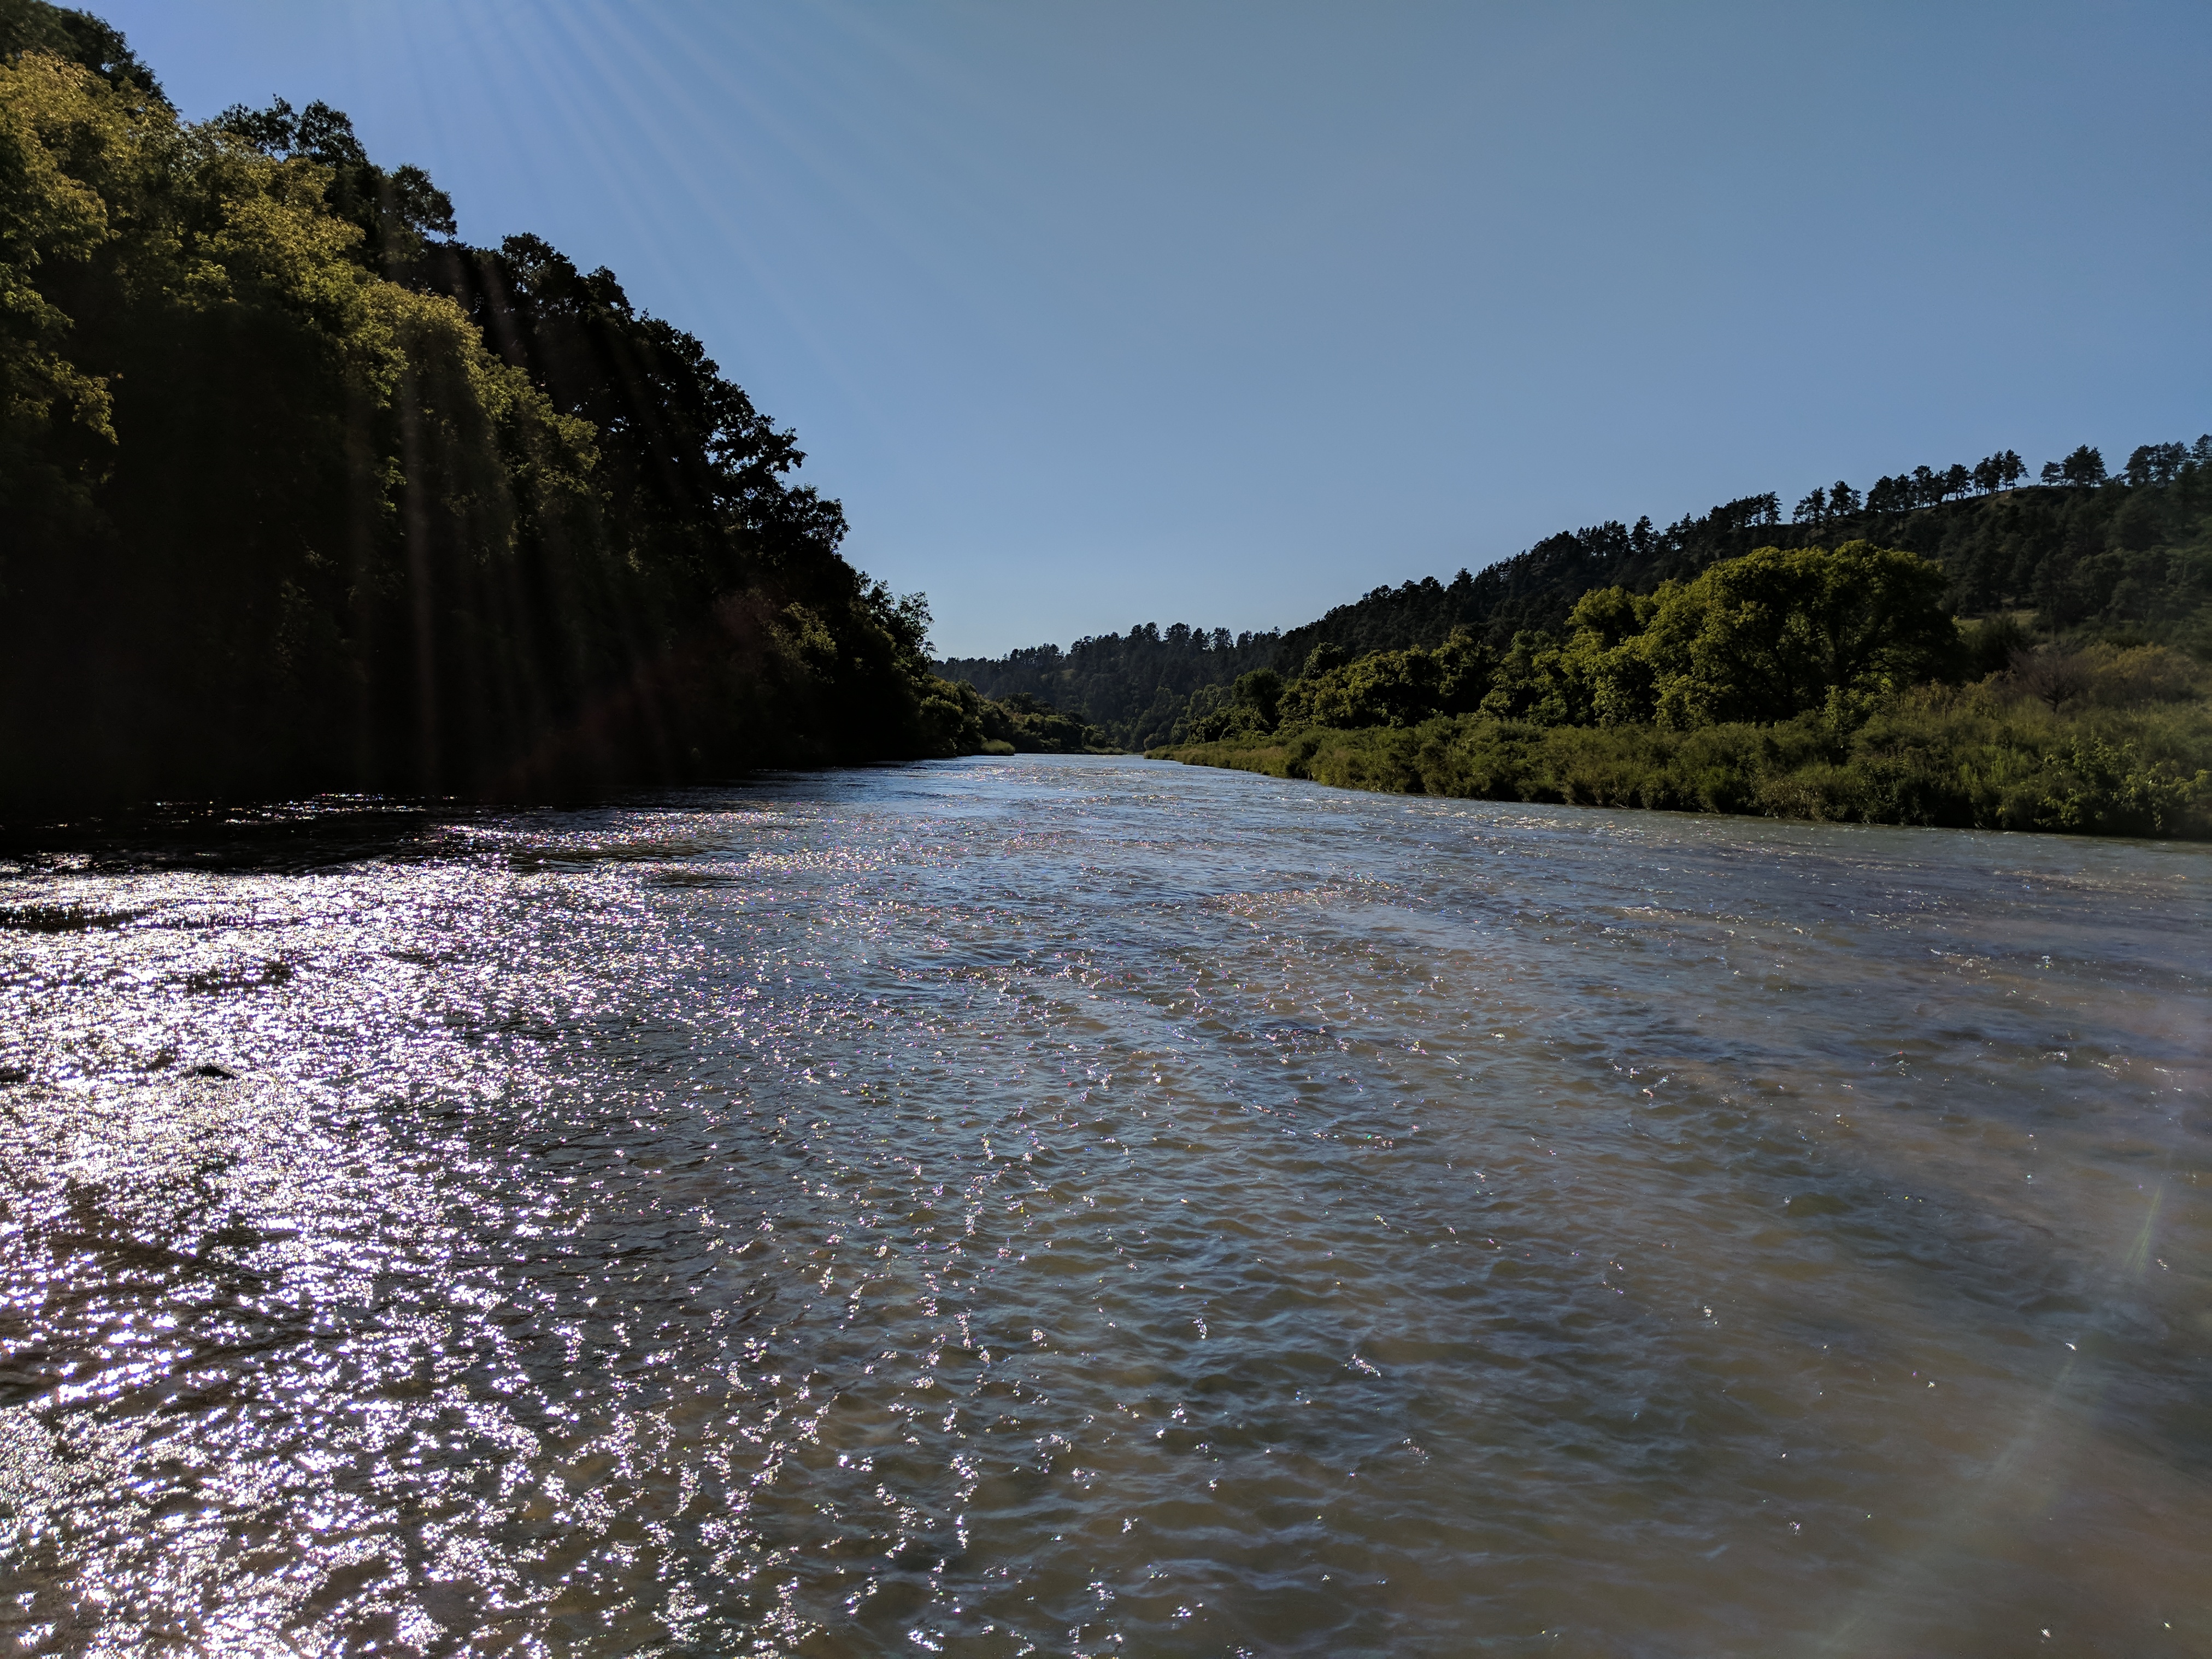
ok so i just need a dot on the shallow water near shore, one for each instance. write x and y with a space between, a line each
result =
1092 1205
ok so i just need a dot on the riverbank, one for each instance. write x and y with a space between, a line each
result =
1965 759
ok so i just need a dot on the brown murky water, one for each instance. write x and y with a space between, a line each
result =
1092 1207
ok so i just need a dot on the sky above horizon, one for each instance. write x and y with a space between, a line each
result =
1226 313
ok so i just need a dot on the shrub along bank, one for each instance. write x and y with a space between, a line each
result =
1935 758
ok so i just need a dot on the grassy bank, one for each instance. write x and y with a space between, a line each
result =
1978 757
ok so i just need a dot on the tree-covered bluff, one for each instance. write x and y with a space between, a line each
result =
2079 555
300 493
1802 682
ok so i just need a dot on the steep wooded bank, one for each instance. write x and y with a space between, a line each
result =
2080 555
300 493
1799 681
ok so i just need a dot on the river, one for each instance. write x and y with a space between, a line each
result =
1092 1206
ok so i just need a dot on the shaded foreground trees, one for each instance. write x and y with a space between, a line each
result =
300 494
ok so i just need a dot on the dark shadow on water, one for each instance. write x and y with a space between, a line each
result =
274 836
322 831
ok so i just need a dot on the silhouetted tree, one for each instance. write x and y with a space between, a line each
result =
2084 467
2156 464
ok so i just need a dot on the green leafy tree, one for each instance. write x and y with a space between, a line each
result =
1021 724
66 148
397 212
1388 687
76 37
1770 635
1261 691
1532 682
1607 662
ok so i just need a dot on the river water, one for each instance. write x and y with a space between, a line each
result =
1088 1205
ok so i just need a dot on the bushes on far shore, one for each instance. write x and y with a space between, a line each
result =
1795 682
2127 750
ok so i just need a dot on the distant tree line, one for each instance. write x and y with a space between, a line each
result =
1925 486
298 492
1134 686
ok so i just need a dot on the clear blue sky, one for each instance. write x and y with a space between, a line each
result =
1100 314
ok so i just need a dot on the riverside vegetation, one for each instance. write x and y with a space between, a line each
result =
1800 683
303 493
1956 647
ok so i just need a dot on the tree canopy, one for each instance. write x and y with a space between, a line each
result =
1760 638
1773 634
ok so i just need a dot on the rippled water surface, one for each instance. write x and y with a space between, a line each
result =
1095 1206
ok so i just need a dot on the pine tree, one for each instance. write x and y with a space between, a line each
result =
2085 467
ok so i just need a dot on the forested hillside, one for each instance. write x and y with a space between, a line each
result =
2128 554
1135 687
1802 682
302 493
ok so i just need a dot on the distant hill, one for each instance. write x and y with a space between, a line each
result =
2128 553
